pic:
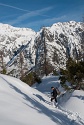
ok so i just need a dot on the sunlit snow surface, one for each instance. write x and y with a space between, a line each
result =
23 105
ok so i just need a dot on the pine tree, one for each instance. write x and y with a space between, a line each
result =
74 73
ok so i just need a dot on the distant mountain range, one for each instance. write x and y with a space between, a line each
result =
24 49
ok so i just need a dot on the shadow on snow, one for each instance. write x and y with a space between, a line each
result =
57 117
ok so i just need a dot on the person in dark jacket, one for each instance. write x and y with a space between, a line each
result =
54 94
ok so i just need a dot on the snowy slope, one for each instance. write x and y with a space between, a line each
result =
23 105
47 82
71 102
74 103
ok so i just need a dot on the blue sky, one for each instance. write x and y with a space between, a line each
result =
35 14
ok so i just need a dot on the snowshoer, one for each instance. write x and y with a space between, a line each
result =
54 96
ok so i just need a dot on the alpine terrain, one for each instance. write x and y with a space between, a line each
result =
23 50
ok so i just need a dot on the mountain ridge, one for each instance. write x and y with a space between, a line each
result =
55 44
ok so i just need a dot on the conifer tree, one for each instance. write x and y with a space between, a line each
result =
74 73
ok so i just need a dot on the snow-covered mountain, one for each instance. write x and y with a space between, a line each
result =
12 42
22 105
55 44
62 40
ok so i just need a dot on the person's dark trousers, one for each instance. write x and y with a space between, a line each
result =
53 99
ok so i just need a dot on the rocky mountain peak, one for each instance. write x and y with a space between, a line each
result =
52 45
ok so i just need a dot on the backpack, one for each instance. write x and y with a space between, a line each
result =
58 92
